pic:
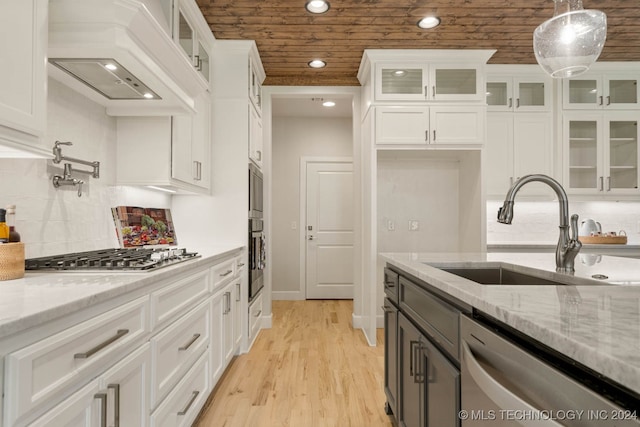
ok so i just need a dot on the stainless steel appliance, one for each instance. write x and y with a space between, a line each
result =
127 259
505 385
257 246
255 192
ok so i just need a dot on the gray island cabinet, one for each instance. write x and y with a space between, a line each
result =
503 340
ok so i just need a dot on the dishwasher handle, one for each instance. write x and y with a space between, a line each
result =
501 395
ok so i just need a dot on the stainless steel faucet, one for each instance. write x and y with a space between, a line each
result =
67 179
568 246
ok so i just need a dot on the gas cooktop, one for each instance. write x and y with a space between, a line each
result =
128 259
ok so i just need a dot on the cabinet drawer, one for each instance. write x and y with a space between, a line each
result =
255 314
222 273
440 320
173 300
45 371
185 401
174 349
80 409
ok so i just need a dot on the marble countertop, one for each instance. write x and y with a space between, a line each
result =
552 246
595 322
43 296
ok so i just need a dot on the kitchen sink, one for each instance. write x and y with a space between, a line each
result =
499 276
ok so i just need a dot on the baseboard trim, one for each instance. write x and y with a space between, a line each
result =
287 295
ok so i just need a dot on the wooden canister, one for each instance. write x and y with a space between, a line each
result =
11 261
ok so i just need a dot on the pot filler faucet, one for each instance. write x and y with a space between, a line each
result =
568 246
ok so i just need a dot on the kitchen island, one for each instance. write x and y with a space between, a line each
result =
593 322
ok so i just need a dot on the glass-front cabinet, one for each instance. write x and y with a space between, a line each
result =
433 82
518 94
601 153
608 91
194 44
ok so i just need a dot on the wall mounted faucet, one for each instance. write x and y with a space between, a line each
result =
67 178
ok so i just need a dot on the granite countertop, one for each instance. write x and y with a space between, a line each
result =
597 324
43 296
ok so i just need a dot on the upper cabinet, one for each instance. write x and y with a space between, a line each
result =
523 93
194 38
613 90
23 80
256 76
424 75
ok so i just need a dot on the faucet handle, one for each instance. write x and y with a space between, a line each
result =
59 143
574 227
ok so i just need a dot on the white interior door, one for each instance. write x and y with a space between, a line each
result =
329 230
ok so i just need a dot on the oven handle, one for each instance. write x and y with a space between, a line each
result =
501 395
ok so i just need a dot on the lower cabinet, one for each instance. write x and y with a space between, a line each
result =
255 313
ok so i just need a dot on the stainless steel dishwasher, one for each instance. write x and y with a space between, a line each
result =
504 385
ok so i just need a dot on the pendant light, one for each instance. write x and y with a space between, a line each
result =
570 42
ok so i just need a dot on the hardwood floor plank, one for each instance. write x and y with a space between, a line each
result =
310 369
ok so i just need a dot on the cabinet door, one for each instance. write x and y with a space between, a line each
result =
455 83
391 355
533 150
621 156
217 336
255 88
621 91
182 166
202 141
499 94
443 387
23 93
402 125
582 93
82 409
237 314
228 317
202 60
401 82
255 136
583 152
184 34
411 389
498 170
127 387
531 94
457 125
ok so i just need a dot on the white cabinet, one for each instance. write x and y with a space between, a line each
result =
168 152
255 84
519 94
601 153
255 136
602 90
39 373
255 314
217 350
399 125
23 78
517 145
193 35
82 409
433 82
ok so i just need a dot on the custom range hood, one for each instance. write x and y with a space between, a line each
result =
118 54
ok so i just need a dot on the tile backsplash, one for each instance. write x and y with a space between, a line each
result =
537 222
52 221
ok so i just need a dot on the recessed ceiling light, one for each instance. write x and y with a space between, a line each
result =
317 63
429 22
399 73
328 104
317 6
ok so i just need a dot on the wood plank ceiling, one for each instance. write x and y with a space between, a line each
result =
288 36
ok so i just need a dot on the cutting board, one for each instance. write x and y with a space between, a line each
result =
603 240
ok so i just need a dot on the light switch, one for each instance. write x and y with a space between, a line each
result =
391 226
294 225
414 225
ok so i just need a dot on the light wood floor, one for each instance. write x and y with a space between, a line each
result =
310 369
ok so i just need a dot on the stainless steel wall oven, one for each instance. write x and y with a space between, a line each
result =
256 244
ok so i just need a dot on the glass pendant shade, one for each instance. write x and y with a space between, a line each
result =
570 42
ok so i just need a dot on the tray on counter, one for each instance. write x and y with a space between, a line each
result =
603 240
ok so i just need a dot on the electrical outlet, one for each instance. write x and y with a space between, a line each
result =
391 226
414 225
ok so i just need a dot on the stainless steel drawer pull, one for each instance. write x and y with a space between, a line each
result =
103 408
193 399
258 314
241 264
193 339
116 403
228 272
94 350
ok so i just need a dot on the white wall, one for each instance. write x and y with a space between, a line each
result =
293 138
537 222
53 221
